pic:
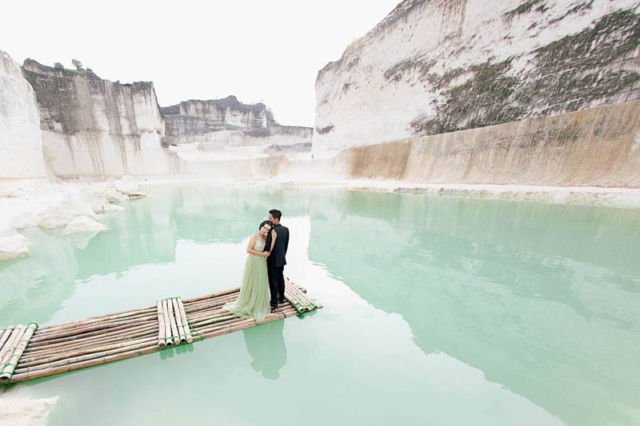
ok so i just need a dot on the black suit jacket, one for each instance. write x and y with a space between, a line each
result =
278 255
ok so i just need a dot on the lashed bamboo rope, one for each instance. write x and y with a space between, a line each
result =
107 338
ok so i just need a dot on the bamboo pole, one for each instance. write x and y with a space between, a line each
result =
88 336
6 333
174 326
88 321
307 304
213 295
215 320
82 358
85 351
176 313
130 333
167 323
292 299
9 367
210 304
295 300
161 336
185 322
208 315
10 346
98 332
93 329
90 363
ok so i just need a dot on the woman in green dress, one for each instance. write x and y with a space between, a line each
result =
253 301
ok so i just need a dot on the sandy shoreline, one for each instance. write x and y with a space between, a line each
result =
571 195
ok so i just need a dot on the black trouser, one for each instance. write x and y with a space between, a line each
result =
276 283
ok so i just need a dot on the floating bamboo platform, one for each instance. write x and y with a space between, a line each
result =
29 352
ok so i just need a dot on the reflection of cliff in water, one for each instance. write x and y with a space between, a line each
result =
543 299
38 283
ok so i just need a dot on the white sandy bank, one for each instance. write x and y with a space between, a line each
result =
75 207
20 411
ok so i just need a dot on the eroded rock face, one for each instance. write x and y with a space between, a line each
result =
440 66
220 123
20 135
97 128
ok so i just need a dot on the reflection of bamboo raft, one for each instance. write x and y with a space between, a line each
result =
28 352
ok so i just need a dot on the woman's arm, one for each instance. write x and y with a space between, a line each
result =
250 249
274 235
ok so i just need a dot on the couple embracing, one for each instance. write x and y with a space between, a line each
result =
263 280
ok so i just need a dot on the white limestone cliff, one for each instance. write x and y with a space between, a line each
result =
439 66
94 128
226 129
20 135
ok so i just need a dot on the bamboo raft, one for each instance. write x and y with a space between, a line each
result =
29 352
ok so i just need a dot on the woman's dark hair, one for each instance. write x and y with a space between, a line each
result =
265 222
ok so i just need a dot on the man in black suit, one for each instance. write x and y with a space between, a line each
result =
277 258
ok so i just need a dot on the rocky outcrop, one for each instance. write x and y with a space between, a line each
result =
440 66
223 123
98 128
20 135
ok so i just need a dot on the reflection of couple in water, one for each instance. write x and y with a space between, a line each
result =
263 280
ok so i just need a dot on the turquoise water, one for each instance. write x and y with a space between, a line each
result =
437 311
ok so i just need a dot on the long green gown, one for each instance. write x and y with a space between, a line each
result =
254 293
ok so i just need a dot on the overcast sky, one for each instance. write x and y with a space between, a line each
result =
259 50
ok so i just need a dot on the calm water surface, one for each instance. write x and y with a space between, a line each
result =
437 311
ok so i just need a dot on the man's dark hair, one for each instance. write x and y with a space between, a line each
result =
265 222
277 214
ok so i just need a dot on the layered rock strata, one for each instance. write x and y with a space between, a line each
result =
97 128
227 123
